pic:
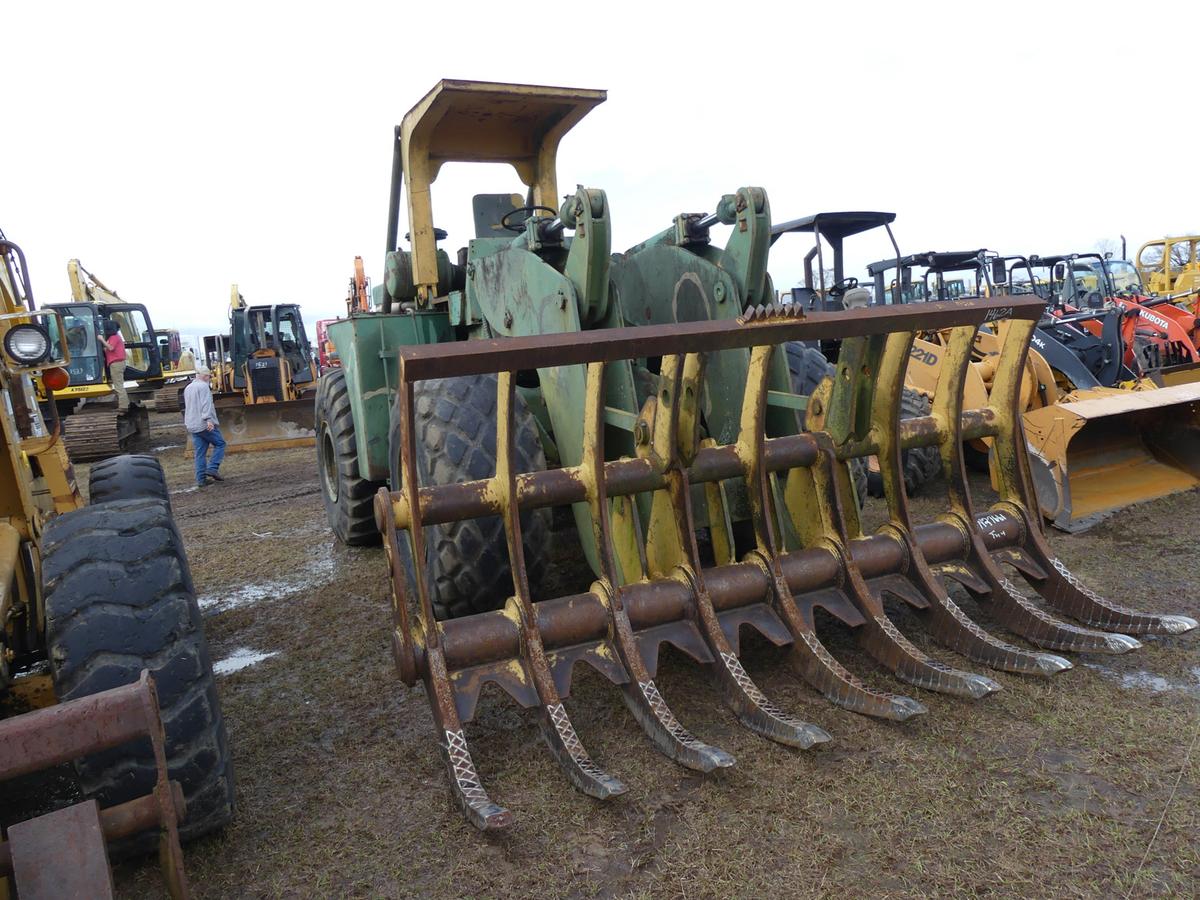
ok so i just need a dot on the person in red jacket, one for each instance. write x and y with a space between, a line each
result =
114 356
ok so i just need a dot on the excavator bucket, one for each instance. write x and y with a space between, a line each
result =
1103 449
807 549
266 426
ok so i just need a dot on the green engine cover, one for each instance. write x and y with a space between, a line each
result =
366 346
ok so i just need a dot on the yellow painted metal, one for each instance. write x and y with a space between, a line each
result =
1170 265
480 121
1103 449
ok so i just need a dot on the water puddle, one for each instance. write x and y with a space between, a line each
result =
1149 681
313 573
164 447
241 658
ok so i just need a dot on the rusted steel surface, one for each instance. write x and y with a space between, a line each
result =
120 821
808 549
60 734
61 854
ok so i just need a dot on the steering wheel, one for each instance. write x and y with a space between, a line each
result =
840 287
504 223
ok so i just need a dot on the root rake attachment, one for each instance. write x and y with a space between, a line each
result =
809 550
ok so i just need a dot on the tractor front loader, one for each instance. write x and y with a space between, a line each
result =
712 491
97 614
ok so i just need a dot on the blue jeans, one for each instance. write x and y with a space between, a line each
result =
201 441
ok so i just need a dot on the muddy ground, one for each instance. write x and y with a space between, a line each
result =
1076 787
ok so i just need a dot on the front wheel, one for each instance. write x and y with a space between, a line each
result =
467 564
119 599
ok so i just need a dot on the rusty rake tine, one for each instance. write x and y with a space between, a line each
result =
466 787
879 636
644 699
809 656
737 688
1012 609
553 720
1060 588
1022 616
947 622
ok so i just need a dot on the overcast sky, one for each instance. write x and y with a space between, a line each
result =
177 148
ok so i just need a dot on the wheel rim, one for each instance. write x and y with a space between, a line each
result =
329 465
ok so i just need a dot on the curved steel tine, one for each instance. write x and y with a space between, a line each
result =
879 636
553 720
676 552
809 656
813 662
465 785
1060 588
467 789
1066 593
640 693
948 624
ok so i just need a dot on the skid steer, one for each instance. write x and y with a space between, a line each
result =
711 489
98 615
92 426
264 377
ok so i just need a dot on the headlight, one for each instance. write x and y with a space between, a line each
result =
27 344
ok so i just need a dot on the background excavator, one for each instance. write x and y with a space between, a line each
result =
92 426
264 377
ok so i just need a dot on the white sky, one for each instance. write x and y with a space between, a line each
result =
178 148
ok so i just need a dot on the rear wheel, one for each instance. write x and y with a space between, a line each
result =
119 599
348 497
467 566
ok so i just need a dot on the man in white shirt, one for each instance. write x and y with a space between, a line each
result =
200 419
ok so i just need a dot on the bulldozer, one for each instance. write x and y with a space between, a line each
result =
1103 429
264 377
649 393
103 658
92 426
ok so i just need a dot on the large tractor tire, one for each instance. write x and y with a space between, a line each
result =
918 464
348 497
131 477
119 599
466 565
808 368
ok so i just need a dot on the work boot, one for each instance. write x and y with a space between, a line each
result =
213 476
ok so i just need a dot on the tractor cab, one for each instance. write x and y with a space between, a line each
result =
945 275
262 336
83 325
827 287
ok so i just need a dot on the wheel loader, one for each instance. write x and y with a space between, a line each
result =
649 392
1106 426
92 426
264 377
101 639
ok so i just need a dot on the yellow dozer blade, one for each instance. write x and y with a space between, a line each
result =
1104 448
266 426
